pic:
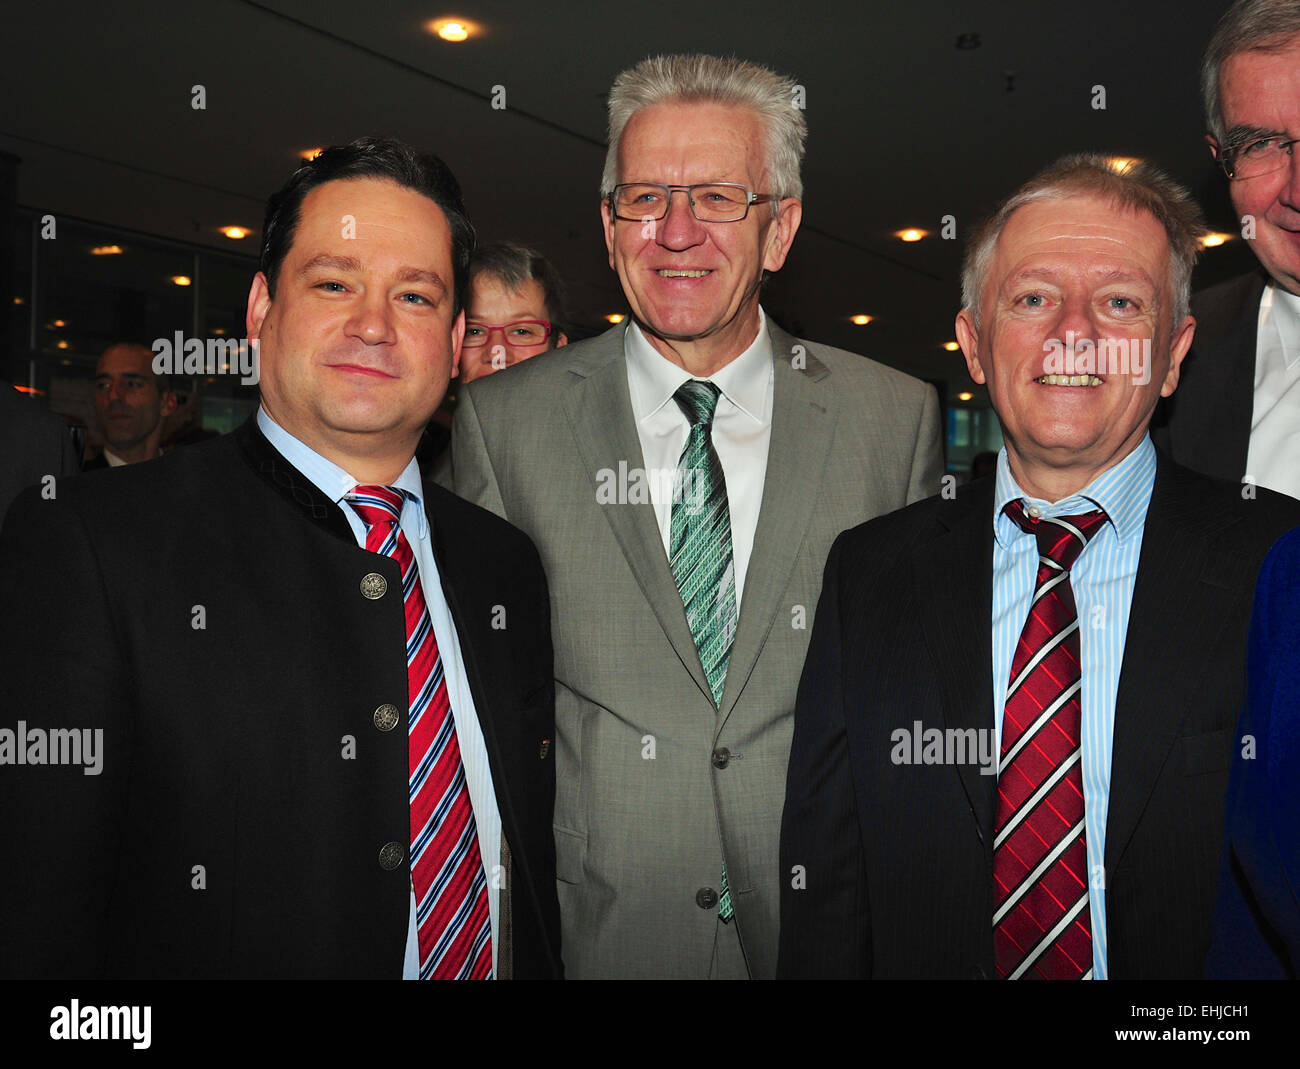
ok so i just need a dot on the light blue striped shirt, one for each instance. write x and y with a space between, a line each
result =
334 483
1102 580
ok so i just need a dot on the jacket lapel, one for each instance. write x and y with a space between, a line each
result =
599 408
1181 584
954 583
803 423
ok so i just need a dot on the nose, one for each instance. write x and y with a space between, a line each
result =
371 320
679 229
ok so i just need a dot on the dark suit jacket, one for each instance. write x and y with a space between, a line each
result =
1257 917
898 859
33 444
205 612
1205 423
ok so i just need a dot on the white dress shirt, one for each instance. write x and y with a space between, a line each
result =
742 432
335 483
1273 458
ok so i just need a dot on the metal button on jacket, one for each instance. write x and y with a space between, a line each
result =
386 717
391 855
373 585
706 898
721 757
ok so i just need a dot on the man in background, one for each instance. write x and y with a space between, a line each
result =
1237 412
131 403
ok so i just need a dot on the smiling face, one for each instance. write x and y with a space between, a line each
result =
693 286
1259 95
360 341
1065 270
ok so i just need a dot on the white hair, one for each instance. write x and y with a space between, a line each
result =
701 79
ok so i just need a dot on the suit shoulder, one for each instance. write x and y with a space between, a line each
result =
901 532
539 373
1261 513
863 369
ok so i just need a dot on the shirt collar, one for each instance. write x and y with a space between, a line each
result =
1123 492
331 480
653 379
1285 310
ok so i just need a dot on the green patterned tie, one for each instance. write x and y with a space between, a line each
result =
700 550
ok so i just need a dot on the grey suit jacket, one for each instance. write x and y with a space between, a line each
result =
656 787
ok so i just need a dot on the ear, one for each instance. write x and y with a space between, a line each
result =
607 220
169 404
259 303
1182 342
1214 146
969 340
561 340
457 340
781 236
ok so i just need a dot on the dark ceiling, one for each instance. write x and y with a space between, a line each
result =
905 126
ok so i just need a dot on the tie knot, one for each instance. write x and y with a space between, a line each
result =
697 400
377 504
1060 538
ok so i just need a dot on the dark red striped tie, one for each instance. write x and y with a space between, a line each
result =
452 915
1042 924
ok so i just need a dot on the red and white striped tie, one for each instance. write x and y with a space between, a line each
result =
1042 923
454 923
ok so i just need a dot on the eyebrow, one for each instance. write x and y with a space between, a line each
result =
123 374
351 265
1239 135
1039 274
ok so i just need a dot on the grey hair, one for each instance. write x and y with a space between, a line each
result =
701 79
1248 26
1139 187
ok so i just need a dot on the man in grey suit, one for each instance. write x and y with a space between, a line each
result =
684 477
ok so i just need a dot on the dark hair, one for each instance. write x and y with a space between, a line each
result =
515 266
370 157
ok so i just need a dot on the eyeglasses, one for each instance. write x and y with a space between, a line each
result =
711 202
521 332
1259 156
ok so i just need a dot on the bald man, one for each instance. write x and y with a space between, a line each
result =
131 403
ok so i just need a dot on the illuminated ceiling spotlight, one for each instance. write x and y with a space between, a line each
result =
60 344
861 320
951 346
106 250
615 318
182 280
964 396
1214 240
911 234
60 322
1122 164
236 233
454 29
310 154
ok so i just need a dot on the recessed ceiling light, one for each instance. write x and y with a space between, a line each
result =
911 234
310 154
60 322
964 396
19 300
862 320
615 317
1122 164
182 280
454 29
60 344
951 346
235 233
1214 240
106 250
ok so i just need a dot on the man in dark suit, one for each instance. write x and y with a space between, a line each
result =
1014 725
1237 412
275 717
132 402
34 444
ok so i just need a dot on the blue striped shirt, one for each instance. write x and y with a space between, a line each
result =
1102 580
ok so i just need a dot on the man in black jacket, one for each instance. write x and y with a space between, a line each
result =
275 718
1236 414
